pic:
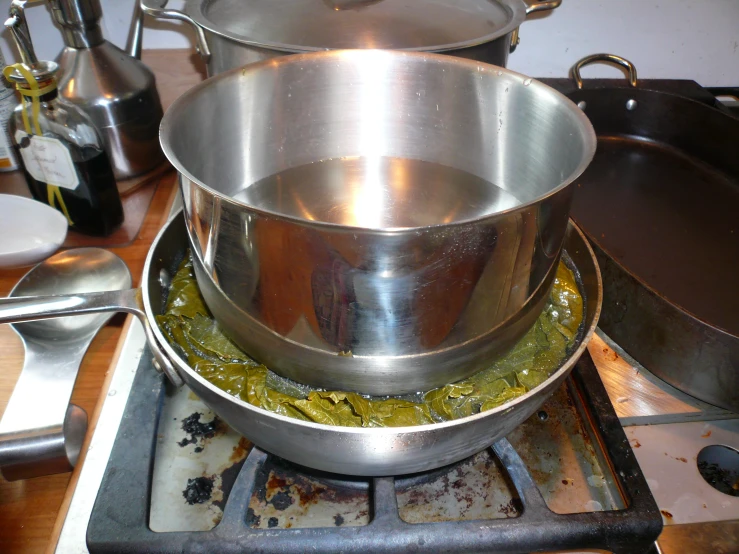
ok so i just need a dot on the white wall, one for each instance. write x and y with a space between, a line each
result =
696 39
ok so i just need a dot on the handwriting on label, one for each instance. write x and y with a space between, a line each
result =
48 160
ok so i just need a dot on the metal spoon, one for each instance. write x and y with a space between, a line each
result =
40 431
62 302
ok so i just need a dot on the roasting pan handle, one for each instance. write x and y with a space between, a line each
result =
612 58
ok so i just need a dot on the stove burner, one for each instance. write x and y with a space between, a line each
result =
719 467
119 521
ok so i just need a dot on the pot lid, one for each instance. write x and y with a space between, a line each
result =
306 25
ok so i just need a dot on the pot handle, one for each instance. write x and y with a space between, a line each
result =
612 58
156 8
533 6
32 308
541 5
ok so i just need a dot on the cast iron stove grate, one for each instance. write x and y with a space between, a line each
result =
119 521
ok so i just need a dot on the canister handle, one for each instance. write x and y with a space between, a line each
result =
155 8
136 33
612 58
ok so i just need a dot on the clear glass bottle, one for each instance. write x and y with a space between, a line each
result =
58 148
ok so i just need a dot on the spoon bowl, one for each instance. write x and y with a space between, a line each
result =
75 271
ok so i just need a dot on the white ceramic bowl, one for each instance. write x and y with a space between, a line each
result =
30 231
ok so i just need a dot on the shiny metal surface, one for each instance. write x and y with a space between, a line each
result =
40 432
78 20
417 305
612 58
116 90
360 451
136 33
233 33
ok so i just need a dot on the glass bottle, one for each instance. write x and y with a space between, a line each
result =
58 148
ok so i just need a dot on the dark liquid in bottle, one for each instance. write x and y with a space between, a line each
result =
95 205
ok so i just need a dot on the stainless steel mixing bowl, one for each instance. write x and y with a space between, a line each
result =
377 273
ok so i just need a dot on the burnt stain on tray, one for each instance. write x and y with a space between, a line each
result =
198 490
285 491
512 509
228 478
199 431
281 500
252 518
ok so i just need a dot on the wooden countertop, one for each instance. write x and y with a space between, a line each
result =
28 509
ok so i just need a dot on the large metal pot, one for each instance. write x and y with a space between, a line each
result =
233 33
359 303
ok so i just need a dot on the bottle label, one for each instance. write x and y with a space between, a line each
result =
47 160
7 103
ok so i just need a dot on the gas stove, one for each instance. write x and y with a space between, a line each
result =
163 474
179 480
570 468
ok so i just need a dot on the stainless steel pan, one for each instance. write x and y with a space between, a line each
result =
351 451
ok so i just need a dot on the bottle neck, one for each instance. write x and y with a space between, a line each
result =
47 96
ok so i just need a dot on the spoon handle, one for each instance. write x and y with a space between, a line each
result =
30 308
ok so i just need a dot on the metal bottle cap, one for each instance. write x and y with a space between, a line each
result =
41 70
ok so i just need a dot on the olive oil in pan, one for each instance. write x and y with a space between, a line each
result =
382 193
